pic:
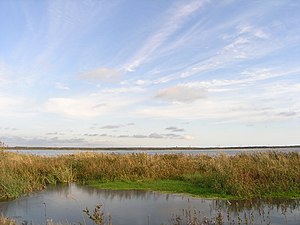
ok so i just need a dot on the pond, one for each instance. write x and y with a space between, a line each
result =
64 203
211 152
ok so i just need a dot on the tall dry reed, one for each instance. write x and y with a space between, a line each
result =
21 174
253 175
7 221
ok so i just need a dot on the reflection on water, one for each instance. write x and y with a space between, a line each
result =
65 204
210 152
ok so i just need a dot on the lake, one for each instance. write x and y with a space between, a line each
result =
211 152
64 203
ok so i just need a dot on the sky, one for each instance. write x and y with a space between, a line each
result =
102 73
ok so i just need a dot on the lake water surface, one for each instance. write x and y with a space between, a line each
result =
211 152
65 204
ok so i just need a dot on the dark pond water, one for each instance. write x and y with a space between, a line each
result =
65 204
49 152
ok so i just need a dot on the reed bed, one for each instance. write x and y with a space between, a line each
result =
20 174
243 175
252 175
7 221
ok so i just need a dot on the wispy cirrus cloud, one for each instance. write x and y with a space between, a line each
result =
67 21
102 74
181 93
247 42
177 16
245 79
252 30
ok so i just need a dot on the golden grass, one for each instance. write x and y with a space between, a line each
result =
254 175
7 221
25 173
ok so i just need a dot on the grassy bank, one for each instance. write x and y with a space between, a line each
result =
166 186
271 174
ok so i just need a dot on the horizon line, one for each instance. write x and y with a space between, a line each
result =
150 147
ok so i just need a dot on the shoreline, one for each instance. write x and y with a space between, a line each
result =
151 148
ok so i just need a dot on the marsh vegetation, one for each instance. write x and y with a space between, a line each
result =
244 176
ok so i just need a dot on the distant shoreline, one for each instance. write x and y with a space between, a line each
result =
149 148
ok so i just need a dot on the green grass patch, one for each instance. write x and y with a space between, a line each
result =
186 187
166 186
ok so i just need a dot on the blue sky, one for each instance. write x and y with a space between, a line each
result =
149 73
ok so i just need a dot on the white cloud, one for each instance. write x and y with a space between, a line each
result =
61 86
181 93
102 74
16 106
245 99
245 79
142 82
83 107
92 105
122 90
